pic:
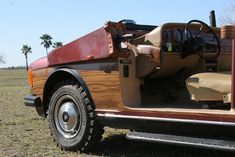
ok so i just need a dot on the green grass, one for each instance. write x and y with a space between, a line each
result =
24 133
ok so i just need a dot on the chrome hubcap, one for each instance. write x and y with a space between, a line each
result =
67 119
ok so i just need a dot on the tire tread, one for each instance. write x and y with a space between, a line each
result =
94 129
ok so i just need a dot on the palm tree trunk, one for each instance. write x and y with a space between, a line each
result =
47 51
26 58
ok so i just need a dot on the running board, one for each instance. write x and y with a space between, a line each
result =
208 143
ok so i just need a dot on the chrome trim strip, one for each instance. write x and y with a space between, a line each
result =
108 115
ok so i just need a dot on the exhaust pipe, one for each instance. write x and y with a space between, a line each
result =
212 18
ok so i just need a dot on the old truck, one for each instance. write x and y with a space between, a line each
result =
167 84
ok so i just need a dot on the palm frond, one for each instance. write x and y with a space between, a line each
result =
46 41
57 44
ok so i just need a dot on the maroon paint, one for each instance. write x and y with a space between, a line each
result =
40 63
94 44
233 75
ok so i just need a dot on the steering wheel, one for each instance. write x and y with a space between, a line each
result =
195 44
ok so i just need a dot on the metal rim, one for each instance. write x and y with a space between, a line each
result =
67 117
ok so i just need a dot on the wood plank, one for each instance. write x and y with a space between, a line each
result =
39 79
104 88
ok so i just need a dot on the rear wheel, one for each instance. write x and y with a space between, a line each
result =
71 118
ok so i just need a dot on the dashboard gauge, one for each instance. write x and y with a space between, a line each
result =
178 36
188 33
171 35
164 36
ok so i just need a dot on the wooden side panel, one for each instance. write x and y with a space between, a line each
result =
104 88
39 79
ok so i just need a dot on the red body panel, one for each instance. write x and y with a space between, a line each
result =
233 75
94 45
40 63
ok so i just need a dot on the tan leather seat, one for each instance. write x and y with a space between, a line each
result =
210 86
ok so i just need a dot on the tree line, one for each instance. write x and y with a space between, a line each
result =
46 42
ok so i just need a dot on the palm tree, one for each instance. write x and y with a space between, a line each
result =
57 44
46 41
25 51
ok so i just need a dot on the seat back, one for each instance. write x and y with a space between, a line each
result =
210 86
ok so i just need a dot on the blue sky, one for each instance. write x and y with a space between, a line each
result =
24 21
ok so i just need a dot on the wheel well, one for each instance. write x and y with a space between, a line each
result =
53 79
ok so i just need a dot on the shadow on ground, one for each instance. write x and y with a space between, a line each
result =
117 145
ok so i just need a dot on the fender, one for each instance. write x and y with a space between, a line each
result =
59 75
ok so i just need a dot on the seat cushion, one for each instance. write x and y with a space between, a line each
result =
210 86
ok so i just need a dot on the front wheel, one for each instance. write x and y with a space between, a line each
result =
71 118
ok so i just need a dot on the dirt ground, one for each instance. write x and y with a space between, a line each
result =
24 133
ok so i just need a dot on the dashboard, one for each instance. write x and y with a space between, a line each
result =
174 35
171 37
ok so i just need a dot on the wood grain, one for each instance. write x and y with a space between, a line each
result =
104 88
39 79
105 91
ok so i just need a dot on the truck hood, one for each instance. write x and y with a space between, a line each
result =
40 63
